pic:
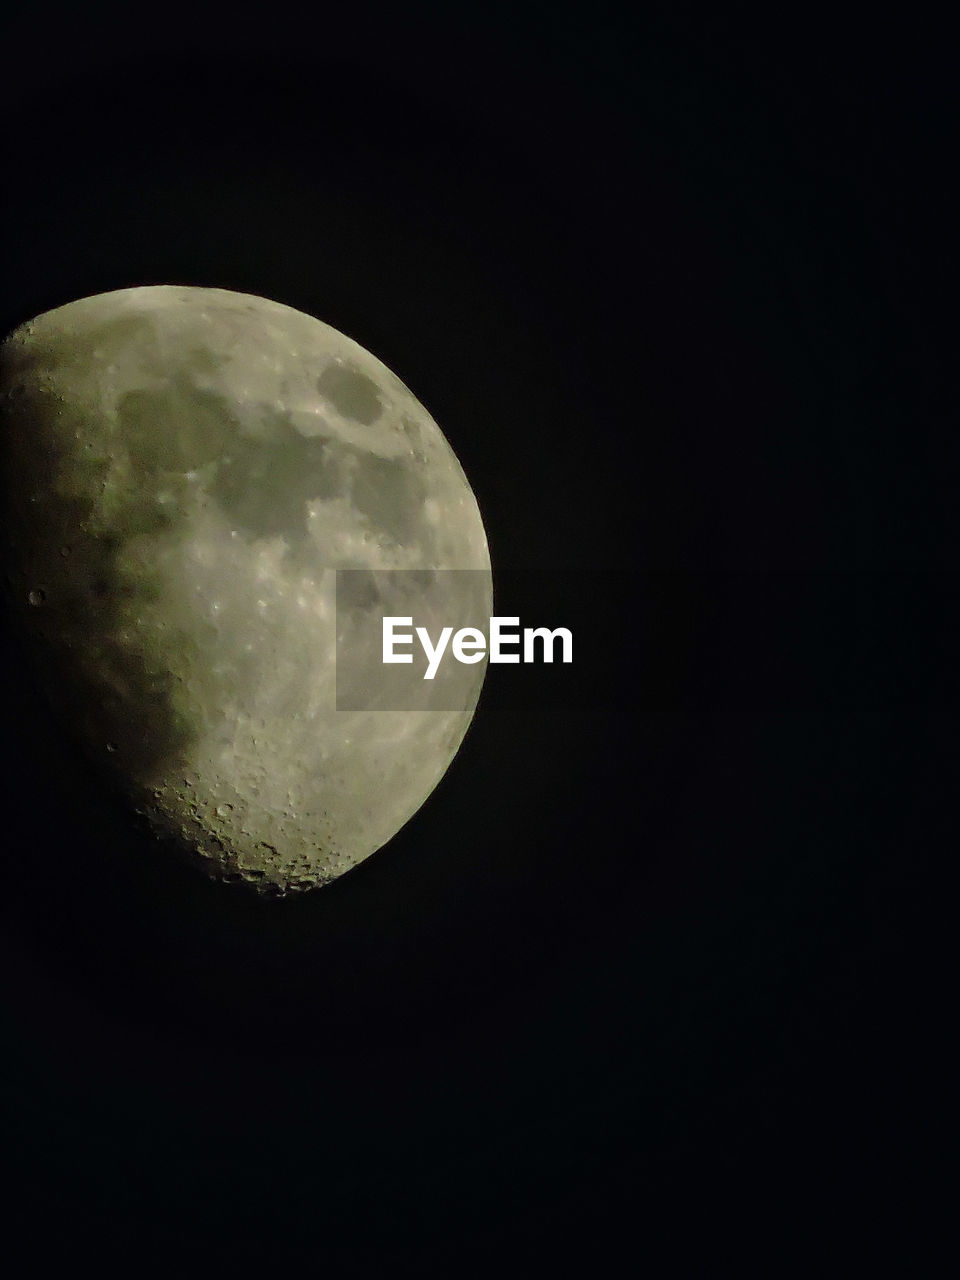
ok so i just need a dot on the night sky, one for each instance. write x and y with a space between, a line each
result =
656 964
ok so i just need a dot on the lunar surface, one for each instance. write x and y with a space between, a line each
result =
185 470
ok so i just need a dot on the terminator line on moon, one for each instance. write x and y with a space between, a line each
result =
186 469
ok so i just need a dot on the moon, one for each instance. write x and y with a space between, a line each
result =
186 470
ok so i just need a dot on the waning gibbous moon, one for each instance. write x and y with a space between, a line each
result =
186 469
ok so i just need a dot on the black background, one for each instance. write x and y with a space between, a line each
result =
652 966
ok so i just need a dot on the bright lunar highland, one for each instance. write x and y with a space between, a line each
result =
185 470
